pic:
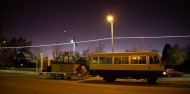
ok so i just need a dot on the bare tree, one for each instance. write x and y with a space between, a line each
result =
91 49
35 53
66 56
144 46
148 46
141 45
154 50
77 55
57 52
99 48
134 49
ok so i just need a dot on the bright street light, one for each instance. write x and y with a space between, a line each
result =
72 41
111 20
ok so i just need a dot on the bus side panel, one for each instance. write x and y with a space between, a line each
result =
136 67
127 73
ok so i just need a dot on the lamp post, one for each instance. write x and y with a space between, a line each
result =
110 19
73 41
74 45
41 62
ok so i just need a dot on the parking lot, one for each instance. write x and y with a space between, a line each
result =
22 83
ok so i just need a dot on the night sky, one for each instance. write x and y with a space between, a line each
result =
57 21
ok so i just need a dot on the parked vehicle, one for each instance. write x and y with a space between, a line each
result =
135 65
172 73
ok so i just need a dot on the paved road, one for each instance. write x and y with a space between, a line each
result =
14 83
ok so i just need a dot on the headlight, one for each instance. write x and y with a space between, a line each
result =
164 73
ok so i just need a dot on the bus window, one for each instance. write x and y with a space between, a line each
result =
117 60
142 60
156 60
138 60
105 60
151 61
102 60
134 60
95 60
125 60
108 60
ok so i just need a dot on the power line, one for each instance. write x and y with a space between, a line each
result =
156 37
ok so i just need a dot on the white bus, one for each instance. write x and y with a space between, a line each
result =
135 65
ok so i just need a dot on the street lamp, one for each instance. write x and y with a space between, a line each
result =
73 41
110 19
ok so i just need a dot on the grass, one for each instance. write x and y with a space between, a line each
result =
187 74
24 69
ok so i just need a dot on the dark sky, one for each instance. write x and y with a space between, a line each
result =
49 21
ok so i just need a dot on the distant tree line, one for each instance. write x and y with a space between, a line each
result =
14 57
142 46
176 57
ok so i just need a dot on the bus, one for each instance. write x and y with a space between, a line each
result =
134 65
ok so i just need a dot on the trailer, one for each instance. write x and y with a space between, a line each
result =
65 70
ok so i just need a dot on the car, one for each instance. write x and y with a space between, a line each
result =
172 73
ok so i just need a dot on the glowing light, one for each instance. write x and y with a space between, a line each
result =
134 57
72 41
110 18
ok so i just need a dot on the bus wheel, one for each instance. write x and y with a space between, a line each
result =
69 77
151 80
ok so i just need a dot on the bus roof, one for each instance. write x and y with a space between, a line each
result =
126 53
